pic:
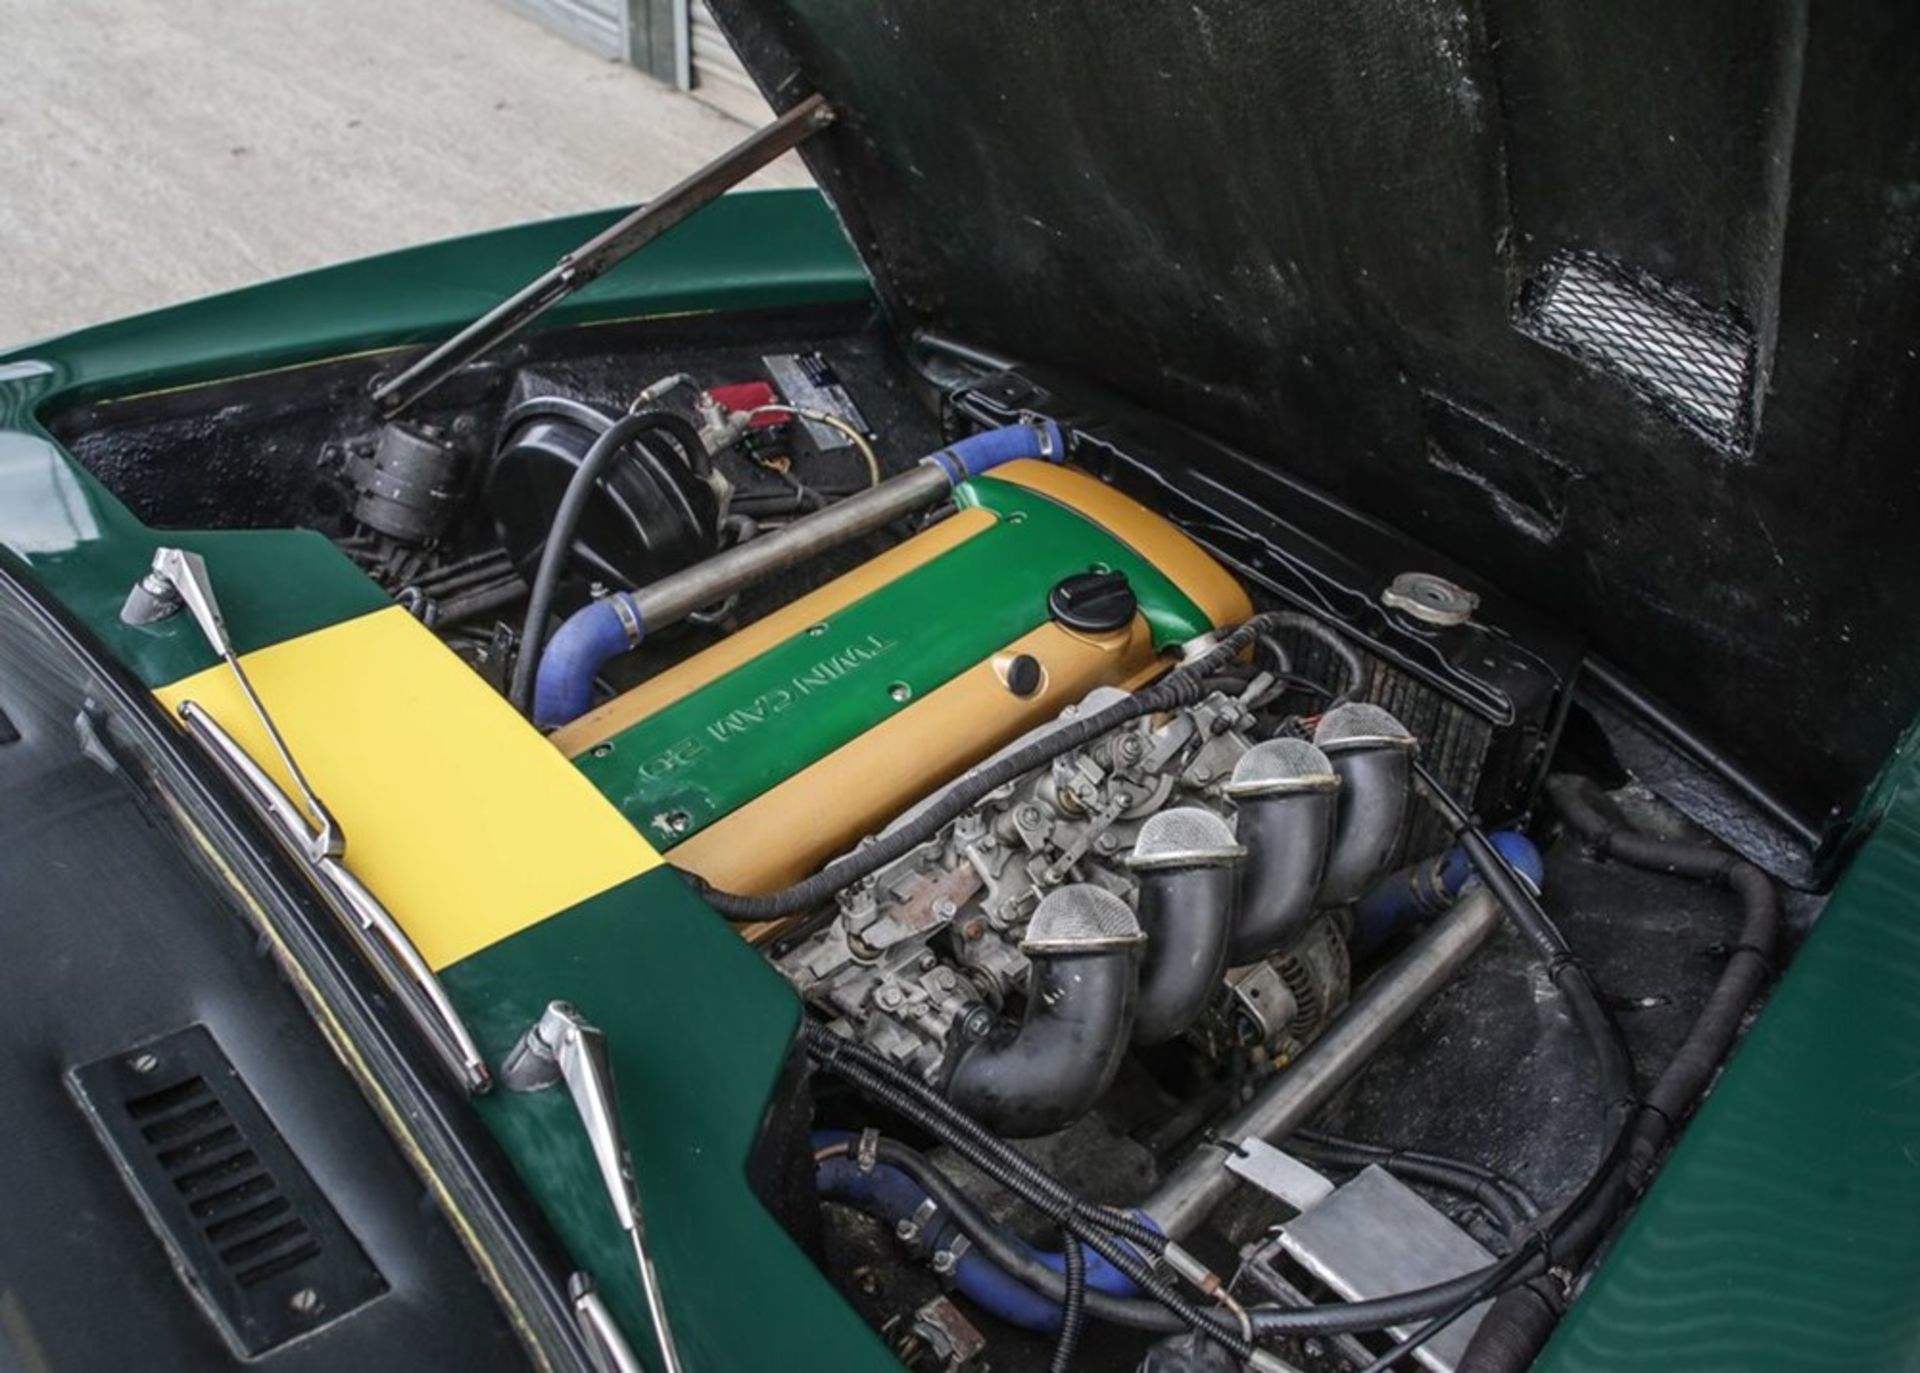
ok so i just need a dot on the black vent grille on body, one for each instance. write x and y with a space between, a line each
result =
1692 362
257 1242
241 1209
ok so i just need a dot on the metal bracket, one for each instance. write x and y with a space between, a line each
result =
1280 1174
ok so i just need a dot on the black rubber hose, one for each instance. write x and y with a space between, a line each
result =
1018 1260
1443 1302
763 504
1518 1196
566 518
1494 1281
911 1098
1073 1311
1104 1231
1520 1322
1516 1327
897 1090
1596 1023
1166 1311
1046 1073
1344 653
1181 687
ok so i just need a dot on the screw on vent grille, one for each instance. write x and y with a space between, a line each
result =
258 1244
1693 363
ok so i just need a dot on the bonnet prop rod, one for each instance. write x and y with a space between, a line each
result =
397 394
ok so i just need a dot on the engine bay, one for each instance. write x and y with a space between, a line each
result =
1216 917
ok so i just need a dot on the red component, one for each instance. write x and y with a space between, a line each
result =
748 395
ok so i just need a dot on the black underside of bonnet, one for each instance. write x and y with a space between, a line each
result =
1610 304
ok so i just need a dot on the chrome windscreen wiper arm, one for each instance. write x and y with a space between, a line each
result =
562 1047
179 579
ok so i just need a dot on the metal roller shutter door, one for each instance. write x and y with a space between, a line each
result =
718 77
598 25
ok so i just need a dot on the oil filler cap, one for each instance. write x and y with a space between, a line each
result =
1093 602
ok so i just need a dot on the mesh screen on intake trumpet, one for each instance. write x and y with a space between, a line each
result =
1081 918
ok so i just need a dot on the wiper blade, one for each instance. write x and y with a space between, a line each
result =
611 1353
180 579
386 943
562 1047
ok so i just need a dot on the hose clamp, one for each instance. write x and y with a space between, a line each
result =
629 615
947 1260
1040 425
914 1226
866 1153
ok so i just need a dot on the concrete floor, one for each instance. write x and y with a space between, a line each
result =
152 151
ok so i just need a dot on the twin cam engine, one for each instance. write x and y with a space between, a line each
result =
980 726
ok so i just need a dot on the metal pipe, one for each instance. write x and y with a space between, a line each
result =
1287 1101
602 630
603 251
1614 683
674 597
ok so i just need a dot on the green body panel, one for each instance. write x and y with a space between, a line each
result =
753 250
700 1027
720 746
1784 1232
762 250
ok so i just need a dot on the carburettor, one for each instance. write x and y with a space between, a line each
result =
975 886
